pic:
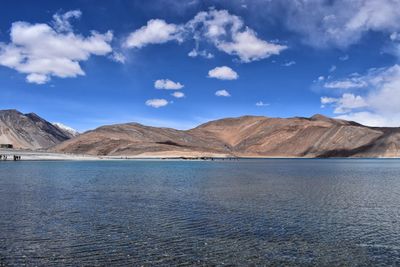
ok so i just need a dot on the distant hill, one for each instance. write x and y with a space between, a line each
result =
29 131
248 136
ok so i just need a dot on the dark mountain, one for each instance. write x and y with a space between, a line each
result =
28 131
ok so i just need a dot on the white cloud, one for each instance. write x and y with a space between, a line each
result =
167 84
37 78
349 83
248 47
261 104
340 23
379 104
328 100
156 31
41 51
156 103
178 94
229 34
344 58
288 64
344 104
222 93
223 73
332 68
225 31
349 102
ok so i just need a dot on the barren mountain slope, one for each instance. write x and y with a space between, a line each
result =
248 136
28 131
134 139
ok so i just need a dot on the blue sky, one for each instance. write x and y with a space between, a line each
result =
181 63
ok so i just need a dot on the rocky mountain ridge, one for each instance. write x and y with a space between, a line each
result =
247 136
28 131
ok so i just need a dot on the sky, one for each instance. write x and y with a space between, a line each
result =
87 63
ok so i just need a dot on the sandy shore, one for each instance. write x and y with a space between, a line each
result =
44 155
41 155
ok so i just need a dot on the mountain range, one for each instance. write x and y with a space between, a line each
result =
247 136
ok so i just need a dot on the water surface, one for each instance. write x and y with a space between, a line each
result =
261 212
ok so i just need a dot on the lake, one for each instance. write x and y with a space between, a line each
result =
326 212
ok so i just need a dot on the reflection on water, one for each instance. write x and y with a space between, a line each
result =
262 212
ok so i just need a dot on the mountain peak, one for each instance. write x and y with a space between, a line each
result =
71 131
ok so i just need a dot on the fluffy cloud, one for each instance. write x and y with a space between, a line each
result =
41 51
156 31
223 73
167 84
222 93
225 31
178 94
379 104
340 23
156 103
37 78
229 34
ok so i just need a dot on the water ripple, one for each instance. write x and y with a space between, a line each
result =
250 212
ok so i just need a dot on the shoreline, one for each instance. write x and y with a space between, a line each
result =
29 155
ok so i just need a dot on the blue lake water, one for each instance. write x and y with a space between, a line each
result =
248 212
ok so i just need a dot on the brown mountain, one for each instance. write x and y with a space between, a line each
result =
248 136
28 131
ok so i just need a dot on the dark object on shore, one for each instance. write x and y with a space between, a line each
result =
206 158
6 146
5 157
